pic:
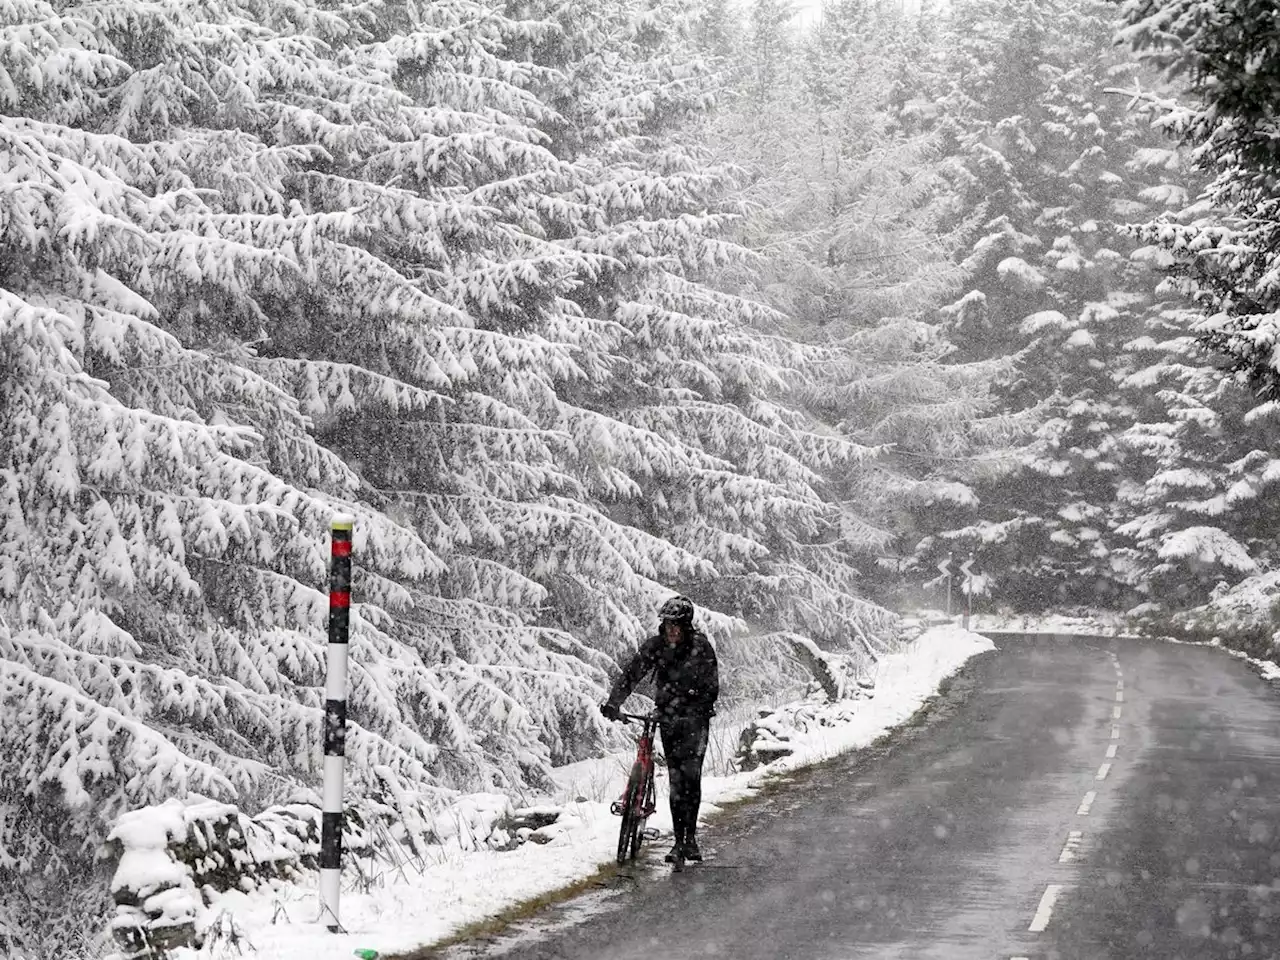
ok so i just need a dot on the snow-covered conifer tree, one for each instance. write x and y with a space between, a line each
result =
1195 513
1052 283
852 213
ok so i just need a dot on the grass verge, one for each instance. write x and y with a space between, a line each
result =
499 923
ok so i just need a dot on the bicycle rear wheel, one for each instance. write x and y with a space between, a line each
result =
629 830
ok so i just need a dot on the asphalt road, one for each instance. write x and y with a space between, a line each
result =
1067 798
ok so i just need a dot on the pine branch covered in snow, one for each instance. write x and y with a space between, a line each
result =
1218 59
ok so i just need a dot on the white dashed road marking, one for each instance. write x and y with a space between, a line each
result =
1069 851
1045 910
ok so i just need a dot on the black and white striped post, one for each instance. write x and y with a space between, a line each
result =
335 719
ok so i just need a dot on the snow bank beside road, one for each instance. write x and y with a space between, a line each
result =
414 909
904 681
1098 623
1267 669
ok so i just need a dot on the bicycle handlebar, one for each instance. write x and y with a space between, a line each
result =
642 717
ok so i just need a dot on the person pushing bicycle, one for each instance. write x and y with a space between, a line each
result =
687 679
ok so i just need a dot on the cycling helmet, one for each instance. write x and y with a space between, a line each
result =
676 610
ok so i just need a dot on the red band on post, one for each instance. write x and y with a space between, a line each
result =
341 548
340 598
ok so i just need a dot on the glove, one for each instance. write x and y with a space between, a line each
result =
611 711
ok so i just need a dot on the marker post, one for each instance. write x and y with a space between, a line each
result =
944 567
335 720
967 569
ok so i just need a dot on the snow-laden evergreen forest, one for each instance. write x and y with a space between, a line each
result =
575 305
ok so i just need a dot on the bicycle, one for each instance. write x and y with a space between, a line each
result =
639 800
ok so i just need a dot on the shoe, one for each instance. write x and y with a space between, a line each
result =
691 851
673 855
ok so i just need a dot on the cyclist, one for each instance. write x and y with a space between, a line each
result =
687 679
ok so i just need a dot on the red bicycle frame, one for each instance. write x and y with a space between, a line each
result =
640 799
644 757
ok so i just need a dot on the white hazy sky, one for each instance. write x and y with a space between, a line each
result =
809 8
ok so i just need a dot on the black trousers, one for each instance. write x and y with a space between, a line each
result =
684 741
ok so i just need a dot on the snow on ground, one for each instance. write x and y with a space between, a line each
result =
1095 623
461 887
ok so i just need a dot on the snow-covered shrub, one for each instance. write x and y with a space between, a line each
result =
471 821
773 734
1245 617
836 676
839 683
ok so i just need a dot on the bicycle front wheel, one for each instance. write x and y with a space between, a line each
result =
629 831
644 802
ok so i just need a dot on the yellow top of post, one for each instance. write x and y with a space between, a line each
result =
343 521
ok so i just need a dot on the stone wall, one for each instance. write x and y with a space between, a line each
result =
174 858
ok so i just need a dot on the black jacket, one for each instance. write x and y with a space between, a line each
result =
686 676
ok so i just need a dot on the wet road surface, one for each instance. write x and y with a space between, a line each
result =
1067 798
